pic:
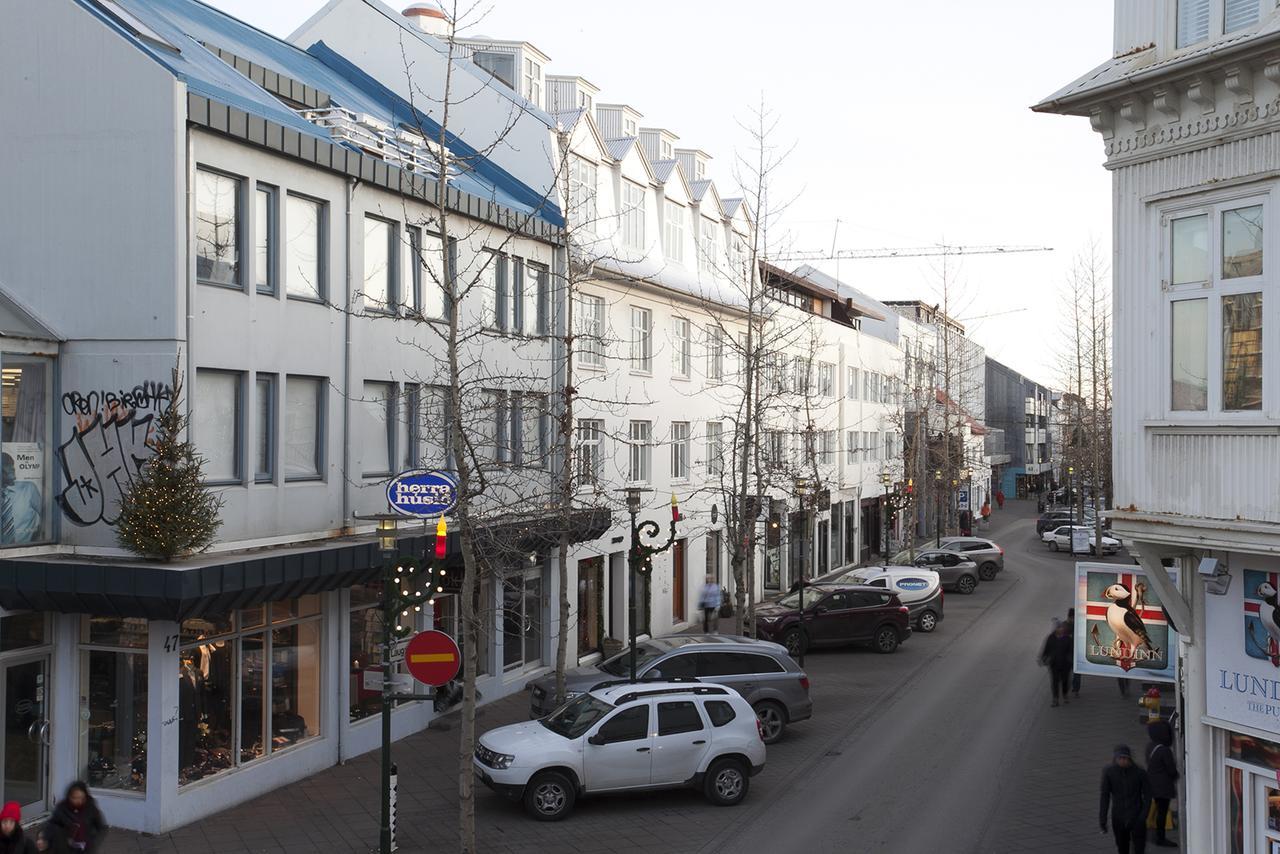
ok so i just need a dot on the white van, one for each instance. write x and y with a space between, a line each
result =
919 589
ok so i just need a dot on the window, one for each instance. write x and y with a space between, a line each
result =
533 81
494 292
409 292
628 127
851 446
802 381
1193 21
1242 242
365 652
681 348
249 685
1190 357
304 400
265 227
518 313
1242 352
715 353
379 269
677 717
673 231
680 450
432 277
852 391
776 448
500 437
437 427
641 339
827 446
589 433
631 724
377 428
1191 249
632 215
217 229
826 379
542 294
715 448
217 413
719 712
304 274
590 330
412 408
113 712
582 193
264 438
1237 14
590 604
641 452
535 430
710 248
712 664
26 418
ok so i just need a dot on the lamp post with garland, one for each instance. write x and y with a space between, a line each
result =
640 556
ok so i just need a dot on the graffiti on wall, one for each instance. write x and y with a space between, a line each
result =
108 446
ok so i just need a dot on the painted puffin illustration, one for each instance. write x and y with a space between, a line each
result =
1268 616
1124 620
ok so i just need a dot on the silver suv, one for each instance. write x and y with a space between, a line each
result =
762 672
986 554
958 572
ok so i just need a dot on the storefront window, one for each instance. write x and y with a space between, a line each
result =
366 651
590 599
113 702
1235 797
246 691
24 442
20 631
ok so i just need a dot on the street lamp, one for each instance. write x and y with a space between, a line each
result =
640 556
966 474
886 480
1071 505
802 491
937 508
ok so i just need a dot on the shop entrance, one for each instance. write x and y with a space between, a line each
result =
26 733
1266 809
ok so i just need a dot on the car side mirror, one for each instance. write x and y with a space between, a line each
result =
653 673
596 739
819 609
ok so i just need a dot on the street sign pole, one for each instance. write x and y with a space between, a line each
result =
386 837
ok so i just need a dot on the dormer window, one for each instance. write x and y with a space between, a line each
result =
1239 14
532 81
584 100
1197 22
666 150
628 127
1193 21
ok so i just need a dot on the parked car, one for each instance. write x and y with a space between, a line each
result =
629 736
1060 538
1055 518
985 553
835 614
958 572
761 671
919 589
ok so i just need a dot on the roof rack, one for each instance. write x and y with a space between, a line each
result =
614 683
700 690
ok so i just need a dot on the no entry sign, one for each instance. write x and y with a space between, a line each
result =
432 658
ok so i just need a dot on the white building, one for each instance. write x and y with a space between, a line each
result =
1189 113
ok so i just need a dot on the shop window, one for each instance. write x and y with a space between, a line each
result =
366 651
590 604
113 702
24 442
521 621
22 631
246 691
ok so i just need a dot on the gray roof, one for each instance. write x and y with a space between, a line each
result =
699 188
619 147
662 169
731 205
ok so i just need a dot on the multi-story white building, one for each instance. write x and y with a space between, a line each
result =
1189 113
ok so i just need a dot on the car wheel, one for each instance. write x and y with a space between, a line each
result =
796 642
927 622
886 639
773 721
967 584
726 782
549 796
987 572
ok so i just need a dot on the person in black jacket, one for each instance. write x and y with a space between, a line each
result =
77 822
1162 770
12 840
1057 655
1127 791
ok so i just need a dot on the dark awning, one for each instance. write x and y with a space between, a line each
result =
219 583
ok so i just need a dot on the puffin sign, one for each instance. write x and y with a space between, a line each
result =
1121 628
422 493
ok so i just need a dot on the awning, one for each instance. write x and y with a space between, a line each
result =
210 584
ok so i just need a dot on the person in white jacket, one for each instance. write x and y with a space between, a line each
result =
710 602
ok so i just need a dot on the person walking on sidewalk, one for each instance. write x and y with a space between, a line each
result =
77 823
1056 655
1000 498
12 839
1162 770
1127 792
710 602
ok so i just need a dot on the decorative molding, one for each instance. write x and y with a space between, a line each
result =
1103 121
1271 70
1167 101
1186 131
1134 112
1239 82
1200 92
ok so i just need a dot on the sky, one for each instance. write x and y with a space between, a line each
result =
899 136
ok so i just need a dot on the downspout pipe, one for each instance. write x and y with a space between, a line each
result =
346 359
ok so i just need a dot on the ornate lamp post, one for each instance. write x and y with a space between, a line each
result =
640 556
886 480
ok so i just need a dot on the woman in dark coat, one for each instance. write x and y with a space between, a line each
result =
77 822
1162 769
12 839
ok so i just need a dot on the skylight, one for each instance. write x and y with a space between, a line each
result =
134 24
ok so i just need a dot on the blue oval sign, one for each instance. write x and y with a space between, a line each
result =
912 583
422 493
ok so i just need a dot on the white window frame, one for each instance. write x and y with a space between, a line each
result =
640 448
633 201
583 191
826 379
715 448
590 323
641 340
673 227
680 450
681 348
715 353
590 438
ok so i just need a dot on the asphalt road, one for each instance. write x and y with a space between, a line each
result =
929 766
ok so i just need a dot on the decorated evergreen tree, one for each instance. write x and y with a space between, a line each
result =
167 511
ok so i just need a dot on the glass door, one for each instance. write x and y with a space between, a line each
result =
26 733
1266 811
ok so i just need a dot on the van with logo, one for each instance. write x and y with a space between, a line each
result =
919 589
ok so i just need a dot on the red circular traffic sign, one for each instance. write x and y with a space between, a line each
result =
432 658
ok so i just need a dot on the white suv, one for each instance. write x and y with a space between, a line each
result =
619 736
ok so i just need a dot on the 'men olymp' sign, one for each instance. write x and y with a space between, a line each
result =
422 493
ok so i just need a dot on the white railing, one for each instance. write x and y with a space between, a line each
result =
410 151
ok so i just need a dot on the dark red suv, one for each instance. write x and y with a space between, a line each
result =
835 614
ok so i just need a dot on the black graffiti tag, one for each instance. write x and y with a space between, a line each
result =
99 461
150 395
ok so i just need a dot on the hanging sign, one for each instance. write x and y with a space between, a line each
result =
1242 645
1120 626
423 493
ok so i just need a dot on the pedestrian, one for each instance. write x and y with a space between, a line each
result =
12 840
1127 791
966 523
1056 655
42 840
77 821
1071 633
1162 770
985 512
710 602
1000 498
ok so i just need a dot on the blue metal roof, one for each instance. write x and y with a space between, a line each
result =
187 23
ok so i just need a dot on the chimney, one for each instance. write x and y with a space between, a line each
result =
429 18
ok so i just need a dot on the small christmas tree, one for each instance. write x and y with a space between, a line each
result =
167 511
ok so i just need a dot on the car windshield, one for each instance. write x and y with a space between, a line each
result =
811 598
620 665
576 716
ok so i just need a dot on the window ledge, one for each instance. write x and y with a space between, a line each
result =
306 298
1214 427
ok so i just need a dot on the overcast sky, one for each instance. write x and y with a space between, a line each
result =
910 123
